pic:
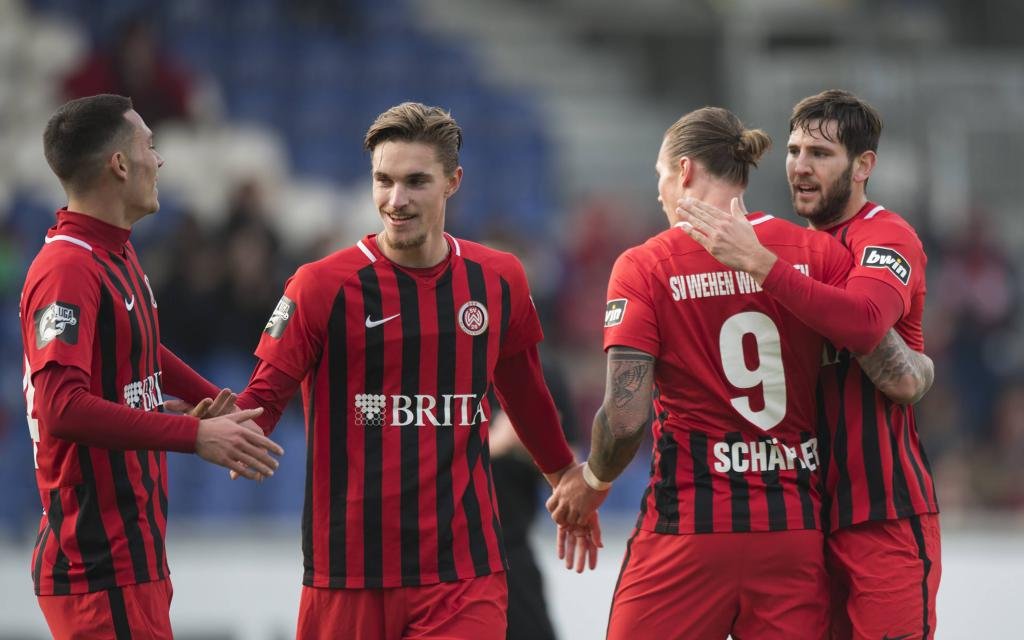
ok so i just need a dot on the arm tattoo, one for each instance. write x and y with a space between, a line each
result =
892 360
619 423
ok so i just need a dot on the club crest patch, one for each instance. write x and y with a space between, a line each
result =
614 312
279 319
885 258
58 320
473 318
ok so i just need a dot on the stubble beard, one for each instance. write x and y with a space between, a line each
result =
403 245
833 204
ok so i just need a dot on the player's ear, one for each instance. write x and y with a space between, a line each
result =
687 170
863 165
117 162
454 181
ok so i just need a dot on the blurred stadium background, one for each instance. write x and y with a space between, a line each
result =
259 108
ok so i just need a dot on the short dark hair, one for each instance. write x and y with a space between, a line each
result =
80 133
715 137
416 122
859 126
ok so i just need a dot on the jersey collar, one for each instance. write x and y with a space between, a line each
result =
87 230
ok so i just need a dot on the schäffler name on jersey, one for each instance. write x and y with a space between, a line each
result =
691 286
764 455
448 410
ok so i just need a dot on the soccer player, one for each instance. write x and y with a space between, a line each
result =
396 342
883 549
95 375
735 451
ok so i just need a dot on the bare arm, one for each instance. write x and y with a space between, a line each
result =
902 374
626 411
616 435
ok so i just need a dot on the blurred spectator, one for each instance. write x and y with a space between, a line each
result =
135 66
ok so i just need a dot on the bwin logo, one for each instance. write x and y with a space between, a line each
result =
884 258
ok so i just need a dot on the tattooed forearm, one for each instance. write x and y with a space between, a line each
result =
620 422
628 377
609 455
902 374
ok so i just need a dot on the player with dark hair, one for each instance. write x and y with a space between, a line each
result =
884 544
95 375
396 342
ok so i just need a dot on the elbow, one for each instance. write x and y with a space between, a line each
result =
866 341
620 427
903 390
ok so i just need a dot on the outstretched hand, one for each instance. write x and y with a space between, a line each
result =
236 442
223 404
578 545
728 236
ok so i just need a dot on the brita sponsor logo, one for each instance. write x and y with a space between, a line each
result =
885 258
447 410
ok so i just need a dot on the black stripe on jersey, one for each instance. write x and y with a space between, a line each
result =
774 493
824 432
666 489
335 534
506 309
474 444
840 446
740 500
910 454
119 614
338 417
92 537
124 491
869 436
129 511
154 490
37 570
842 238
922 554
900 491
703 492
445 436
373 449
55 520
803 487
93 542
408 295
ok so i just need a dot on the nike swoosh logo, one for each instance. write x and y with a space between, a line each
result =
370 324
129 305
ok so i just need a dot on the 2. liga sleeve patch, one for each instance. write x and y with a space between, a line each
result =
57 320
614 312
885 258
279 319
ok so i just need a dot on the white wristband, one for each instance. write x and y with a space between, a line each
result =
593 481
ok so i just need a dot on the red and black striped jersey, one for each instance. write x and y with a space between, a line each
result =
87 304
877 468
734 442
396 365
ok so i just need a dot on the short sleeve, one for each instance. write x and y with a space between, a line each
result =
524 328
294 336
629 317
58 312
887 250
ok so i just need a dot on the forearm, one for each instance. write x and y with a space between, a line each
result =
181 381
899 372
612 448
271 389
519 383
856 318
71 412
